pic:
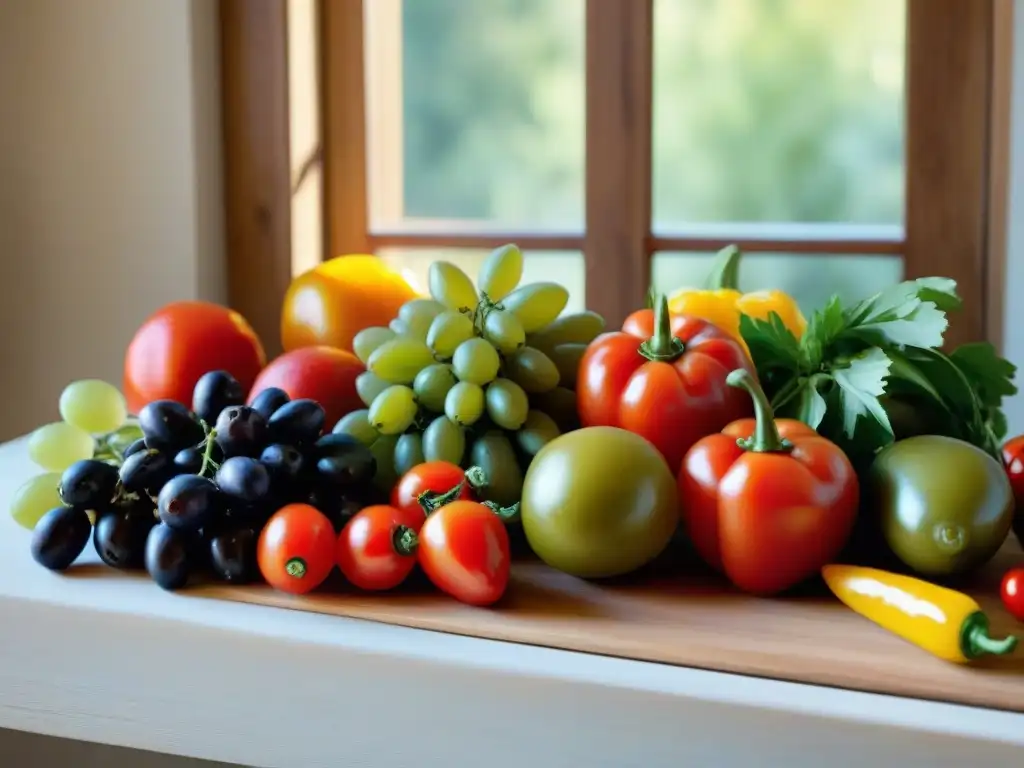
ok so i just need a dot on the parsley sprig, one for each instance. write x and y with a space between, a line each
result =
855 369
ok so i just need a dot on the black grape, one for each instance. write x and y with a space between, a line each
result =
190 460
344 461
169 426
188 502
241 431
89 483
133 448
244 478
215 391
233 554
146 470
59 537
285 464
170 557
338 507
268 401
120 538
297 422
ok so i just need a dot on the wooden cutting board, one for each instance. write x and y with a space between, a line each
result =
684 617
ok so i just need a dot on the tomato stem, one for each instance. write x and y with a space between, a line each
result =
476 478
766 437
404 540
725 272
662 346
430 501
505 514
295 567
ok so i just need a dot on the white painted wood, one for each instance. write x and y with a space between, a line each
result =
115 660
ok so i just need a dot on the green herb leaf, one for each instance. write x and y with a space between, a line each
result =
811 406
772 345
991 374
825 326
901 316
861 383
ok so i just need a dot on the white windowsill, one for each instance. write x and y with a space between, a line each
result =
116 660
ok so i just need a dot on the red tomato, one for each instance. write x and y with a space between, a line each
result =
464 550
1013 592
430 477
181 342
324 374
296 549
1013 460
666 384
368 552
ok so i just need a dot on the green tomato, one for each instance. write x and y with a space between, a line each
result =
599 502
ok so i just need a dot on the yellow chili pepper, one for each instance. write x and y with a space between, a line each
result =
949 624
721 303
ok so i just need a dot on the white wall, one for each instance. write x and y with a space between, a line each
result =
110 196
1013 337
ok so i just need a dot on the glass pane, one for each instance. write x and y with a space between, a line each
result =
491 99
778 110
563 267
810 279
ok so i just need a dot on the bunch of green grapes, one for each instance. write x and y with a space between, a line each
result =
482 378
94 425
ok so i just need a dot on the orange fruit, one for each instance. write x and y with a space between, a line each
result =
331 303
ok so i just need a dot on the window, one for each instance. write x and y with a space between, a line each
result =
843 145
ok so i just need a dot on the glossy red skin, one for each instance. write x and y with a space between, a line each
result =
296 530
672 405
180 342
365 550
464 550
432 476
324 374
768 520
1012 592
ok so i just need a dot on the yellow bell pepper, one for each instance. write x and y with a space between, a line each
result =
949 624
721 303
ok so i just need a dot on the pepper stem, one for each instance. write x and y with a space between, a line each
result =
430 501
662 347
975 640
505 514
405 540
725 272
766 437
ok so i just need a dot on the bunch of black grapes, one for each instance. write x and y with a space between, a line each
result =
193 494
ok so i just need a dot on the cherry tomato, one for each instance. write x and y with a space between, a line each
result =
296 549
323 374
182 341
1013 460
370 551
429 477
1012 592
464 550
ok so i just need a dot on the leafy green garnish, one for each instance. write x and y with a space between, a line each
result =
850 363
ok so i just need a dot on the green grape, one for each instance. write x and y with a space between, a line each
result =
431 386
501 272
444 440
538 430
34 498
368 339
418 314
383 450
476 361
494 454
408 452
464 403
532 370
451 286
368 386
577 328
566 358
393 410
448 330
399 328
536 304
399 360
504 331
357 424
507 404
93 405
560 404
57 446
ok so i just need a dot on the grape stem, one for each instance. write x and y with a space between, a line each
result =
208 462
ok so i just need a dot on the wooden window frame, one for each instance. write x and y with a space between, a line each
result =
957 146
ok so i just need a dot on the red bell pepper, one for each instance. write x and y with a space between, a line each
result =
663 378
767 502
1013 461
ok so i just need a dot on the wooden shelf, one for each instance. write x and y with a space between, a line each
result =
693 619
